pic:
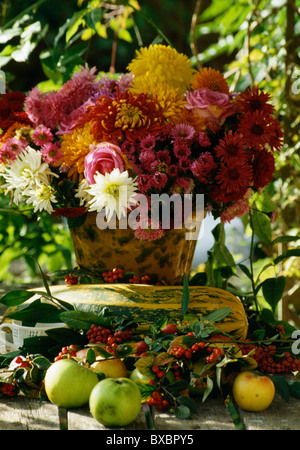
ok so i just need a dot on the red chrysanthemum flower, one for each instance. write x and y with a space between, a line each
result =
263 167
231 146
253 99
11 110
258 129
127 117
232 181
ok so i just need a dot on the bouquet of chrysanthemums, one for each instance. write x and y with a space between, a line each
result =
101 142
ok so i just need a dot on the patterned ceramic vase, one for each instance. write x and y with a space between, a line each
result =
165 259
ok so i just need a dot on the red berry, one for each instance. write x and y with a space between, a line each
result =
160 373
18 360
155 368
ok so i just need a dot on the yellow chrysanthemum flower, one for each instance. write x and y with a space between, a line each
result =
170 100
163 64
75 147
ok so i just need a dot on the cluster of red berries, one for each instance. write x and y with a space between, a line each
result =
66 352
69 279
269 362
8 389
214 354
100 335
180 352
113 275
160 373
158 400
136 279
22 362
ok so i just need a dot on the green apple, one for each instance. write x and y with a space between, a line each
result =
115 402
69 384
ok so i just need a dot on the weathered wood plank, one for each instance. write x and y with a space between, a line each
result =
212 415
22 413
81 419
279 416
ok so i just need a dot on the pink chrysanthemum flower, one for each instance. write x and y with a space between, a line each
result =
51 153
33 105
164 156
125 81
181 149
183 131
184 163
173 170
68 123
107 87
182 185
11 149
159 180
148 159
128 148
52 108
144 182
148 143
79 89
203 139
42 135
203 166
238 209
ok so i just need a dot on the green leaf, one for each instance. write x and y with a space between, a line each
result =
294 388
245 270
65 336
189 402
285 239
208 389
75 22
182 412
273 289
287 254
185 296
91 356
42 363
177 386
15 298
82 320
261 227
219 314
281 386
37 312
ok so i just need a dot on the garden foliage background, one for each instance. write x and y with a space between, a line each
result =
250 41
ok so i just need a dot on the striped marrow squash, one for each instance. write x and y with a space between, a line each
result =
146 304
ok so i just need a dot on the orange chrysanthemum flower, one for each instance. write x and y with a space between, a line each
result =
18 129
210 79
126 117
75 147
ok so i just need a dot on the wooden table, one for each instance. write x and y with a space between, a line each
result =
21 413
